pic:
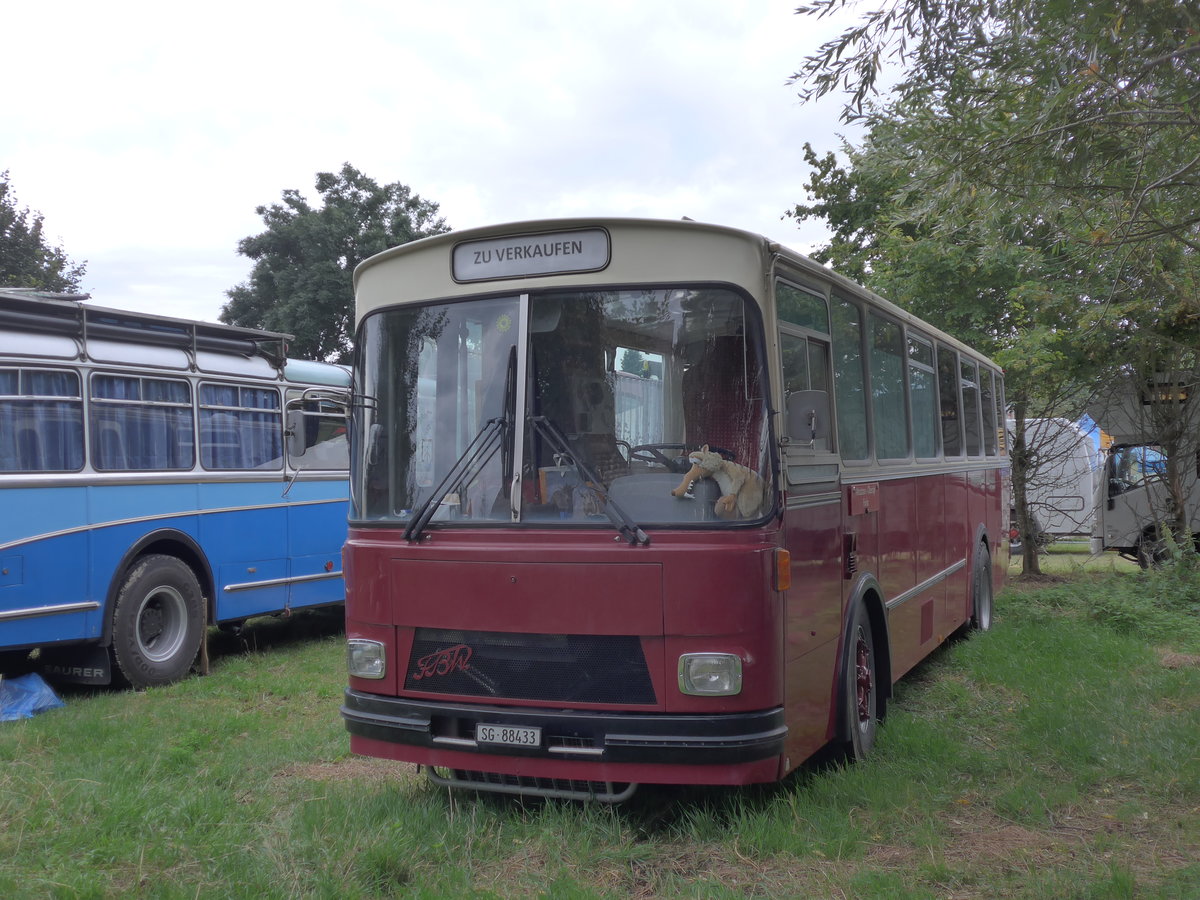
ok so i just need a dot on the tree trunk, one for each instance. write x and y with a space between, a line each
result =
1030 564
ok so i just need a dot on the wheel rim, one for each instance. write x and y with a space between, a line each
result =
161 624
983 615
863 679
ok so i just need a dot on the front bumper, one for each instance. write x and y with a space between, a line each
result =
589 735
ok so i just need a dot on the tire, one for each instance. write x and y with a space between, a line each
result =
981 590
158 622
860 688
1151 550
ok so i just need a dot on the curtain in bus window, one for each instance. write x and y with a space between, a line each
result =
41 421
849 381
141 423
240 427
887 390
639 408
923 396
948 395
970 395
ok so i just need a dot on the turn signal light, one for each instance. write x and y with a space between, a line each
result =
783 570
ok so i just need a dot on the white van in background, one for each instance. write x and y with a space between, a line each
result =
1060 486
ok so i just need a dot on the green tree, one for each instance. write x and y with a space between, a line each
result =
633 362
304 260
990 273
1033 180
1098 100
27 259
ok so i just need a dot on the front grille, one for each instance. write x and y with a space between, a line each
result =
563 668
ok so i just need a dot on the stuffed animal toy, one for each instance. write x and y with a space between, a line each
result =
741 488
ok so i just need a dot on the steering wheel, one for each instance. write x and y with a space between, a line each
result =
653 453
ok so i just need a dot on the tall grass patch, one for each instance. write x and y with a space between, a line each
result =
1057 755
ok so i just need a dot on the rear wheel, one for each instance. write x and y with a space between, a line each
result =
158 622
860 687
981 589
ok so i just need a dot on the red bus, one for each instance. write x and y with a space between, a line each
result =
661 502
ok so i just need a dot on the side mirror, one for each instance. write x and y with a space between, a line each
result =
807 417
294 433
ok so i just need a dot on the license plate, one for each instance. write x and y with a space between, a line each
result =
514 735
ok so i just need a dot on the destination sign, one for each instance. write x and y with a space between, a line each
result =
523 255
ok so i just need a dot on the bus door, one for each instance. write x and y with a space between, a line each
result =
812 536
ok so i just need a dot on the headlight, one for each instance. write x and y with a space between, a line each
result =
366 659
710 674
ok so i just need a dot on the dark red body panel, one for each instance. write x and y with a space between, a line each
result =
910 538
708 591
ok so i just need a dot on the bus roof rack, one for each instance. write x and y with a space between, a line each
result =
66 314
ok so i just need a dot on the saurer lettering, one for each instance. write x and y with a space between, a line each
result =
443 662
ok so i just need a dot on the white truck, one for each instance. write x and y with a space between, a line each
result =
1133 496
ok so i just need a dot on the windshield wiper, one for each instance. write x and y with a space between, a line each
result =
481 449
558 443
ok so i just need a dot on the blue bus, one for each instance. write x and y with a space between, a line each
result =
157 476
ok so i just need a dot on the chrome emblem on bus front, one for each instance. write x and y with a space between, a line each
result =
443 662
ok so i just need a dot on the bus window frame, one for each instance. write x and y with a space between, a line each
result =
201 406
914 335
876 314
868 459
93 403
941 348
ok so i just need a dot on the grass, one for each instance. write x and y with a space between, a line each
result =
1055 756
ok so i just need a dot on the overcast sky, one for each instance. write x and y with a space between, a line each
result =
147 133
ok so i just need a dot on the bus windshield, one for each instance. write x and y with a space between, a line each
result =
550 408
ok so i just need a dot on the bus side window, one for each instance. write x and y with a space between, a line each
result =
948 392
922 394
971 407
849 380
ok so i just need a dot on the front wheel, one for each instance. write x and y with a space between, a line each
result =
860 688
1152 550
158 622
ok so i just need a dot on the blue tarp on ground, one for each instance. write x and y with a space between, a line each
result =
25 696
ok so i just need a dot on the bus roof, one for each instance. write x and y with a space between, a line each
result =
721 253
27 311
310 372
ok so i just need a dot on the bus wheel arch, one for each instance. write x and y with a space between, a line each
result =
167 542
137 651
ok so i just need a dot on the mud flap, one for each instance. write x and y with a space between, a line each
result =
79 664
